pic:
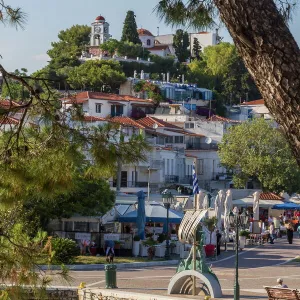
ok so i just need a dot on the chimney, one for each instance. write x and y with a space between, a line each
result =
142 74
134 74
168 77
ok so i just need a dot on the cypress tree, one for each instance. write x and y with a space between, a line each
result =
196 49
181 44
130 33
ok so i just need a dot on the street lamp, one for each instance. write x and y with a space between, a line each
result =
237 221
167 201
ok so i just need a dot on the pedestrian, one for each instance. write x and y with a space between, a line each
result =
280 284
270 219
109 244
290 233
298 230
272 233
219 236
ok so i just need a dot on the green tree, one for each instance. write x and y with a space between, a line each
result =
69 47
132 50
129 33
91 197
257 150
14 89
181 44
111 46
274 66
197 49
100 75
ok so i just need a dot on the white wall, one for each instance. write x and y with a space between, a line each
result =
144 39
205 39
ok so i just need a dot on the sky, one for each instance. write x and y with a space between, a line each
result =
27 48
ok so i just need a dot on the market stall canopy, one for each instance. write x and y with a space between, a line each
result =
156 213
287 205
248 202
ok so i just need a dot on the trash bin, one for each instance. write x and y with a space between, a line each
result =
110 276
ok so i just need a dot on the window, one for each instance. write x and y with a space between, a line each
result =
98 108
169 140
117 110
200 166
148 42
178 139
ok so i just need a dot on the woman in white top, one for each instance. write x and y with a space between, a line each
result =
272 233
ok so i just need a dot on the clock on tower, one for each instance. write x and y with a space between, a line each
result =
99 32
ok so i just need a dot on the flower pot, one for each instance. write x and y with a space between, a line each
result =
242 240
143 250
136 248
209 250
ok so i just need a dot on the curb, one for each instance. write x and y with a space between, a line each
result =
120 266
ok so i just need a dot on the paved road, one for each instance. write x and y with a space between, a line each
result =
259 266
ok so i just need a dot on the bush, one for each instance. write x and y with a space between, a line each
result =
162 237
63 250
245 233
136 238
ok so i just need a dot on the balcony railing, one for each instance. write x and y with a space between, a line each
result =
222 176
171 179
201 146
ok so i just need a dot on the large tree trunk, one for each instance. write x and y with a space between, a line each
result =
271 55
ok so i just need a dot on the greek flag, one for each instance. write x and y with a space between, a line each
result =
195 181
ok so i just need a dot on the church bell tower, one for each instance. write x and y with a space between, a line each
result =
99 32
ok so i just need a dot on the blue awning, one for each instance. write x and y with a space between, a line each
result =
287 205
156 213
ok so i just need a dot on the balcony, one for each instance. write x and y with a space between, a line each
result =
222 176
201 146
171 179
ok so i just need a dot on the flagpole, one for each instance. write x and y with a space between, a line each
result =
195 190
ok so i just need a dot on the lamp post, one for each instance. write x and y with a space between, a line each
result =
167 201
237 221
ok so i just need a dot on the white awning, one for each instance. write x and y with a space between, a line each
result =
248 202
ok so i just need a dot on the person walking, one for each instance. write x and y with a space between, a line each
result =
280 284
290 233
298 230
110 245
272 233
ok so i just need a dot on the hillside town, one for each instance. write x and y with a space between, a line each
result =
152 154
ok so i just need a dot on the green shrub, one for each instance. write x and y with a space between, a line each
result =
63 250
245 233
136 238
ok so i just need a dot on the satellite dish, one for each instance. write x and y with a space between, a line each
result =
208 140
154 126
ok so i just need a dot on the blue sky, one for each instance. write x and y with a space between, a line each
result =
47 17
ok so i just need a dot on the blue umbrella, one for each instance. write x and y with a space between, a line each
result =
141 215
287 205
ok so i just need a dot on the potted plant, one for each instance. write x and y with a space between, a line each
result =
211 225
136 245
148 248
244 234
117 244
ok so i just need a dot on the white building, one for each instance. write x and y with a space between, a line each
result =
251 109
149 42
105 105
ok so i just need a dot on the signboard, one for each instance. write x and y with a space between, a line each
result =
111 237
82 236
157 230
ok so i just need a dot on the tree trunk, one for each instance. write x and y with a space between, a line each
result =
272 57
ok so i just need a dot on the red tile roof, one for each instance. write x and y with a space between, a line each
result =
126 121
144 32
270 196
254 102
84 96
150 121
8 121
6 104
92 119
222 119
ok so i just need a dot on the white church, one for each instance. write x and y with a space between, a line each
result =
161 45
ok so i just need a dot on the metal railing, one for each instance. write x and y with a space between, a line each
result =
201 146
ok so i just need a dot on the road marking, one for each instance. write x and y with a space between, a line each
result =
232 256
95 283
286 262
